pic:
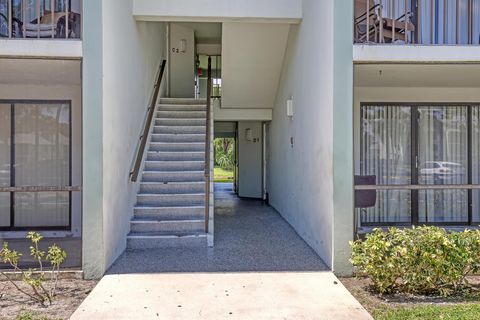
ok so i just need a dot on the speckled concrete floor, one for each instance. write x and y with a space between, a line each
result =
249 236
259 269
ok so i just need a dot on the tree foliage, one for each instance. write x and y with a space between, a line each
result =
225 153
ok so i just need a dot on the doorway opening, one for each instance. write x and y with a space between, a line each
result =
225 160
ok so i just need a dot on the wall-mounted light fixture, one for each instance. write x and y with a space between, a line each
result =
183 46
248 134
290 107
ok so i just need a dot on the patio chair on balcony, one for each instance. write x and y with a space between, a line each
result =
42 30
382 29
396 29
364 21
53 26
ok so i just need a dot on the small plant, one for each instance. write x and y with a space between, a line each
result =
41 291
423 260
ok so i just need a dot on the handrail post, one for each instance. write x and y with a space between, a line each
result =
367 33
392 17
380 17
207 144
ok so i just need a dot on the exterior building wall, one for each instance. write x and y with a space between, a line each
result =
132 53
121 59
342 137
300 175
93 261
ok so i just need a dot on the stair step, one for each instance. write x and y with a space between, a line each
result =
170 213
180 122
151 240
174 165
181 114
179 129
170 200
168 226
164 137
174 156
182 101
182 107
173 176
176 146
172 187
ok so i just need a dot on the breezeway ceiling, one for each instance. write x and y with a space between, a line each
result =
252 60
417 75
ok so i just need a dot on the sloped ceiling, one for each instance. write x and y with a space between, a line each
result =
252 59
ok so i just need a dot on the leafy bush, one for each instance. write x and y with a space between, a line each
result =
224 152
35 278
422 260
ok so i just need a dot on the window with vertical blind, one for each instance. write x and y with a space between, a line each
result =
426 157
35 151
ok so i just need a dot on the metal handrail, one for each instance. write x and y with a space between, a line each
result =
147 124
207 144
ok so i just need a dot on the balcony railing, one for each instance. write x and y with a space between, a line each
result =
40 19
428 22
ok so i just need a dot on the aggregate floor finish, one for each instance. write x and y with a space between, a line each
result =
259 269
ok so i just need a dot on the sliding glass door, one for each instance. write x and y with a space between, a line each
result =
386 153
35 156
443 160
425 159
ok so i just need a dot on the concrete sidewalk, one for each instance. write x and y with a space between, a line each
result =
251 295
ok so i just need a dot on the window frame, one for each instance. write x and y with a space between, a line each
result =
414 185
68 188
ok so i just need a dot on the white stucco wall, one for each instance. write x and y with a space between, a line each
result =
300 183
250 159
132 52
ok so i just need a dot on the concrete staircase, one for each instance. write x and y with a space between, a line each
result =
170 209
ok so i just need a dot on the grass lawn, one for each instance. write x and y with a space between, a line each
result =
222 175
445 312
409 307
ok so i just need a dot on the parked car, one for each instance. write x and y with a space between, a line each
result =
442 171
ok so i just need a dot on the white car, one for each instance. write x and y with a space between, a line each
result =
442 170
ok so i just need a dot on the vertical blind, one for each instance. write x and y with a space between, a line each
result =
439 141
438 20
40 157
386 153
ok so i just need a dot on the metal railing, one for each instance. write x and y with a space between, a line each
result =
207 144
430 22
40 19
147 125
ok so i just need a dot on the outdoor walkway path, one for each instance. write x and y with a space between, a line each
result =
259 269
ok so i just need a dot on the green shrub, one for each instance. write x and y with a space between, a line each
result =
422 260
35 278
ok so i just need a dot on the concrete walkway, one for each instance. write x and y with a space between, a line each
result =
259 269
256 296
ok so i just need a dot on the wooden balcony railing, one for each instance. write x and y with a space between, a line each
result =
428 22
40 19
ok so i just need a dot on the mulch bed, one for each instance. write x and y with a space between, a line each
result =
361 289
70 293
